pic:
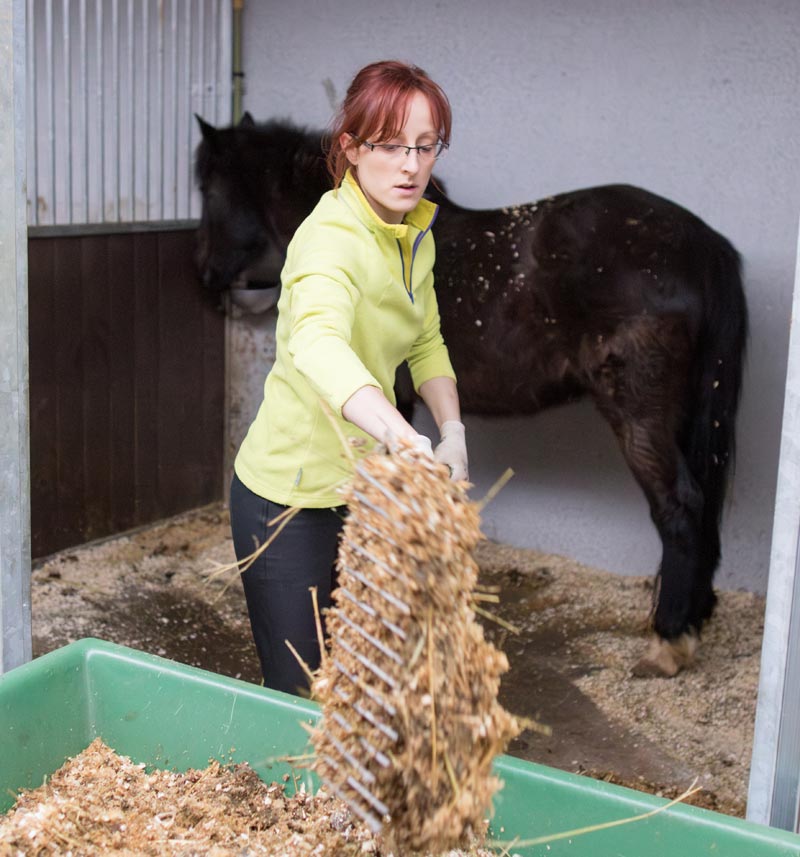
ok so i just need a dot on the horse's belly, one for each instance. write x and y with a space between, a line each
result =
493 388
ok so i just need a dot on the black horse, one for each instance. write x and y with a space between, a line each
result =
611 292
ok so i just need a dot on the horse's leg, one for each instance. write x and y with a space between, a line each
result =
676 508
641 376
692 395
682 589
668 653
703 598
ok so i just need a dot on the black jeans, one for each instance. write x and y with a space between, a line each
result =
276 586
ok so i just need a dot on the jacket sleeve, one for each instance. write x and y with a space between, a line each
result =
322 306
429 357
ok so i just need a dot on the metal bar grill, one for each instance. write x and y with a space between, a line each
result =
101 136
31 95
67 78
187 100
145 64
51 104
131 50
173 105
83 149
111 97
114 126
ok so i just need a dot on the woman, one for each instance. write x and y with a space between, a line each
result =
357 299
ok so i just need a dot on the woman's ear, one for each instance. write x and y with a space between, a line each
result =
349 147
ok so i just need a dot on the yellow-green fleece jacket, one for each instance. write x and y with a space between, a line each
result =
357 299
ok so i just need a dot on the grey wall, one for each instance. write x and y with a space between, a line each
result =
694 99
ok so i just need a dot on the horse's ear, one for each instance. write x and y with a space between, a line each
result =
209 132
247 120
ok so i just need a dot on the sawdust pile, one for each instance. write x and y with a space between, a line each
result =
411 721
100 802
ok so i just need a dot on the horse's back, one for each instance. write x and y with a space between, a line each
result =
550 289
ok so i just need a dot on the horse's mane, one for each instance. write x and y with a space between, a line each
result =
289 146
285 133
246 149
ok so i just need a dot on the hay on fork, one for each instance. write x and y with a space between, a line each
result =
410 718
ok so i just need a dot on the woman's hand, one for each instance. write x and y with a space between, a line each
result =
371 411
441 397
452 450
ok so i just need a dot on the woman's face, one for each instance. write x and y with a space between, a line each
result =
393 183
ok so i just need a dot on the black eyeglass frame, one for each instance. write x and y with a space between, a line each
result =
442 147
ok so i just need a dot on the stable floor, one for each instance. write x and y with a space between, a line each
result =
577 633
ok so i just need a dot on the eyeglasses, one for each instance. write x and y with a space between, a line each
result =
394 151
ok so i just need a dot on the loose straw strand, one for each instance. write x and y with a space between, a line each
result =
495 489
580 831
318 621
346 448
304 666
243 564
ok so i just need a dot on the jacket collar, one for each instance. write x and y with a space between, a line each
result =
421 217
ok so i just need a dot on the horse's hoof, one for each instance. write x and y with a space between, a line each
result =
666 658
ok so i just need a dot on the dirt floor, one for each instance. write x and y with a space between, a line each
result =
580 632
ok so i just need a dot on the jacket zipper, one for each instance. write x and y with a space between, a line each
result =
410 287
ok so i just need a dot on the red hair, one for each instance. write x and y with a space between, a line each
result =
376 108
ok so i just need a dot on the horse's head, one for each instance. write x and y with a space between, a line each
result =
258 182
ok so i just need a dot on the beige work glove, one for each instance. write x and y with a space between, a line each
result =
423 444
452 450
411 447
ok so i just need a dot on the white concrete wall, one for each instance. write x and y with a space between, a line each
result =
693 99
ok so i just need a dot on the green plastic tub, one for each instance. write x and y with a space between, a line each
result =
173 716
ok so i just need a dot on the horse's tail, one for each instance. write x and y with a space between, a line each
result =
710 428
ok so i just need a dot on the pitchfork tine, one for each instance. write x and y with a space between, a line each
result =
383 649
371 611
374 823
373 559
378 511
366 775
396 602
369 691
384 490
390 733
370 665
374 752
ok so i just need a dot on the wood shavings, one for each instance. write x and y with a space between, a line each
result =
100 802
580 627
411 721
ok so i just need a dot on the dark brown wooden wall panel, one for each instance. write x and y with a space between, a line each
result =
127 381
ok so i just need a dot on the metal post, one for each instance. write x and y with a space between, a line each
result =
238 71
775 770
15 528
